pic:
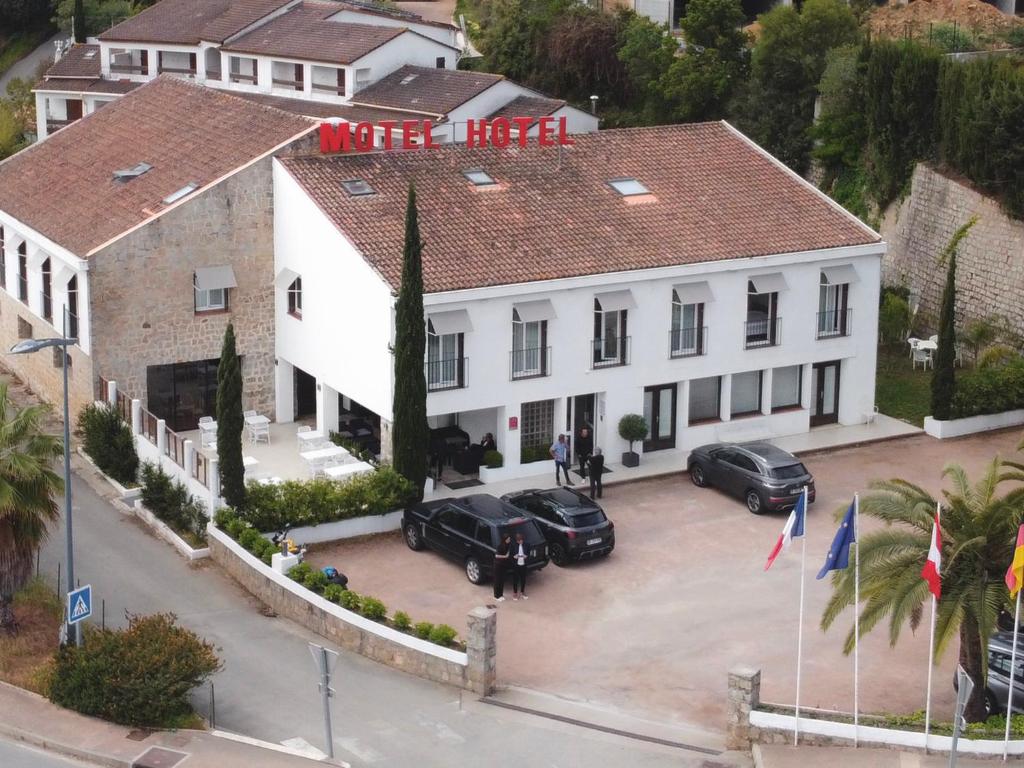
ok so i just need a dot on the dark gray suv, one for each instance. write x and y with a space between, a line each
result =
765 477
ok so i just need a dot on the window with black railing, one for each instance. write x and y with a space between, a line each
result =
688 342
530 362
834 323
765 332
447 373
610 351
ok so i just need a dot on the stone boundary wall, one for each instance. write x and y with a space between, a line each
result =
990 265
473 670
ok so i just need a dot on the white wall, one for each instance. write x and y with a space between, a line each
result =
440 34
482 105
405 49
344 335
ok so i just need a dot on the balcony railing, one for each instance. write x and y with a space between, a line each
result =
609 352
529 363
46 301
446 374
174 447
201 468
338 90
149 426
188 71
762 333
836 322
238 77
128 69
687 342
291 85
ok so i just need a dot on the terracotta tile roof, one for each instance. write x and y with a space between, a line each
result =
713 196
529 106
321 110
86 85
394 13
79 61
64 188
425 89
305 33
186 22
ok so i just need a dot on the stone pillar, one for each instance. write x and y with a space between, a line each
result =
190 457
136 417
161 438
481 649
766 391
112 393
214 482
744 696
725 401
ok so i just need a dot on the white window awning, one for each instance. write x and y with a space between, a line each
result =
694 293
844 273
212 278
616 301
453 321
285 278
532 311
770 283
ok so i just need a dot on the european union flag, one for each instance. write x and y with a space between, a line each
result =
839 553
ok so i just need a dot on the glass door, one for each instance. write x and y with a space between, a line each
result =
825 389
660 415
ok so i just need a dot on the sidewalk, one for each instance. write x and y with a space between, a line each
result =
32 719
668 462
775 756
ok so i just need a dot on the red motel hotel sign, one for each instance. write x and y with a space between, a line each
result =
415 134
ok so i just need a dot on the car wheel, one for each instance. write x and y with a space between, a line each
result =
412 537
556 553
473 571
697 476
754 502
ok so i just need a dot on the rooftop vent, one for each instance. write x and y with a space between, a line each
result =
357 187
409 78
127 174
176 196
627 187
480 178
89 55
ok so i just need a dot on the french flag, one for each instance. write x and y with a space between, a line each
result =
932 571
794 528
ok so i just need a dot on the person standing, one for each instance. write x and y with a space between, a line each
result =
560 453
584 447
519 568
596 470
501 558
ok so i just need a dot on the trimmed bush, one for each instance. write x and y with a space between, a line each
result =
299 572
171 502
334 592
248 538
139 676
422 630
311 502
989 390
374 609
633 428
402 621
350 601
109 442
493 459
442 634
532 453
315 581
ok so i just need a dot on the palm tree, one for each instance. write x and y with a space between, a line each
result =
978 531
28 488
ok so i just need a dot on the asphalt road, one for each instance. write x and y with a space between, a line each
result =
26 68
14 755
267 688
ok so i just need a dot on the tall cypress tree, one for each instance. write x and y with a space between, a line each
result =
409 430
229 422
943 378
78 21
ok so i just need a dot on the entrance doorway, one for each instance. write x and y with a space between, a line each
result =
825 393
579 413
660 415
305 394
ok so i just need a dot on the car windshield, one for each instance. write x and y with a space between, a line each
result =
789 471
531 533
585 519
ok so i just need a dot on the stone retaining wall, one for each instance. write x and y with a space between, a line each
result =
473 670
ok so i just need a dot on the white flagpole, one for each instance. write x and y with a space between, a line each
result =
931 654
1013 668
800 626
856 618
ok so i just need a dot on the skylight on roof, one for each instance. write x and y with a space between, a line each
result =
480 178
357 187
176 196
127 174
628 187
89 55
409 78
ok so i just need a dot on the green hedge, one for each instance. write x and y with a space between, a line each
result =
311 502
170 501
109 442
989 390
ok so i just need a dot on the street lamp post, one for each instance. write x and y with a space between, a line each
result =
29 346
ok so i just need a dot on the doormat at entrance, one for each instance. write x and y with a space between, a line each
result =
471 483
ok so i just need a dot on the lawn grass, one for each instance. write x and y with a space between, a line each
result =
26 656
17 46
901 391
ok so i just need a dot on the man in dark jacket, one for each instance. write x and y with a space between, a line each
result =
501 561
596 463
584 447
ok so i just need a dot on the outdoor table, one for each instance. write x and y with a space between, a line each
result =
343 471
268 480
248 462
310 437
322 454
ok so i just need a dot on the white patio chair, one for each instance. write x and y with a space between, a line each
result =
300 431
923 356
913 341
934 339
206 419
259 432
247 414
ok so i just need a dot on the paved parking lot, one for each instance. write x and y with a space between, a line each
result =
654 629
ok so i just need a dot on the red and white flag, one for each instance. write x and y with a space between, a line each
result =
794 529
932 571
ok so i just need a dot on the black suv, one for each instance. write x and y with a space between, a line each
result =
468 530
764 476
574 526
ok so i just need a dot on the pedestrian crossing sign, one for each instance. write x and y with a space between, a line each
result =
80 604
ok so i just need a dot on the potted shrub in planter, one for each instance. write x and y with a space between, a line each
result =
633 428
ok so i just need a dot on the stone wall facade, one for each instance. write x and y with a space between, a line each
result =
141 288
990 264
477 675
